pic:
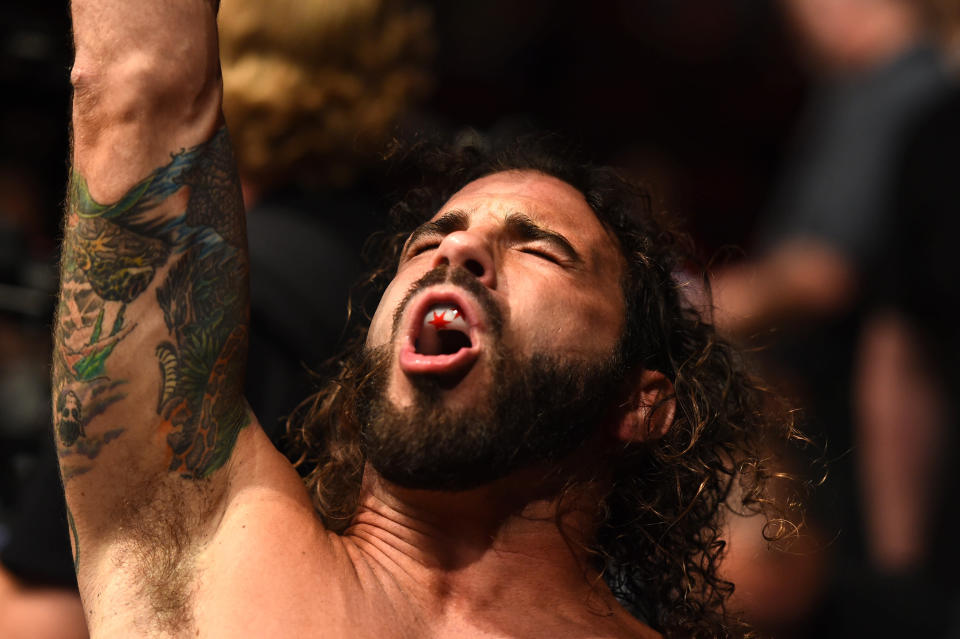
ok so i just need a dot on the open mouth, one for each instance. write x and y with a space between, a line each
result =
444 331
441 337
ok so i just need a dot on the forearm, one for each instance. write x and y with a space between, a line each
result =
144 71
797 282
150 336
900 419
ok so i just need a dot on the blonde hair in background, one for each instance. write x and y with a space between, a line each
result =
313 88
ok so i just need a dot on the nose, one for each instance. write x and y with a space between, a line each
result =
470 251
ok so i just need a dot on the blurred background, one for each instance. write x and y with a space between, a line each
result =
810 146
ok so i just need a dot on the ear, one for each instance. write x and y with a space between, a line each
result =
648 411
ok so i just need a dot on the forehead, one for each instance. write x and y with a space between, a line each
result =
548 201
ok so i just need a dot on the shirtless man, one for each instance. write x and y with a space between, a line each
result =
536 435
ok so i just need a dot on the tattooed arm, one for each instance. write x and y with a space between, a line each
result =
122 267
151 329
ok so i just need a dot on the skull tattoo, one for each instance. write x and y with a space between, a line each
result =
69 419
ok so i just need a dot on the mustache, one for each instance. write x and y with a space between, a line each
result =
458 276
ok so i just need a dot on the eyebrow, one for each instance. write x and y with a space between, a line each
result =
518 225
445 225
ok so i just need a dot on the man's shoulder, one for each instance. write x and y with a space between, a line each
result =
196 547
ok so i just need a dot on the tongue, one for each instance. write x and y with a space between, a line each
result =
440 318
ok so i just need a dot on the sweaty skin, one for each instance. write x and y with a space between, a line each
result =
185 520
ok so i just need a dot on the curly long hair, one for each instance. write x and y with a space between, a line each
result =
659 528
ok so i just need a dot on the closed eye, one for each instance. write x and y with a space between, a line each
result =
422 247
541 254
541 242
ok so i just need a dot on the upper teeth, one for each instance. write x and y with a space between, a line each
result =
444 317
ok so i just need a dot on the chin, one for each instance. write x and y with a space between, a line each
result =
459 391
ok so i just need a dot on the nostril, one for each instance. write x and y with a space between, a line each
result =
474 267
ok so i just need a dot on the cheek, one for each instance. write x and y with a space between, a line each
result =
381 325
580 324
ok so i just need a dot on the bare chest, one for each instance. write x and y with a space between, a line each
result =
269 583
339 606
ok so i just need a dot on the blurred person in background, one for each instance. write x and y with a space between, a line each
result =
879 65
828 234
908 382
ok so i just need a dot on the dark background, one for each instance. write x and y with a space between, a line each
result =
695 96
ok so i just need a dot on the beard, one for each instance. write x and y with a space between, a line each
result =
535 411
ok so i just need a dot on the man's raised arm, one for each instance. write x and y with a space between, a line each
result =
151 328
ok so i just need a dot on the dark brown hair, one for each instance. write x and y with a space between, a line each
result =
659 541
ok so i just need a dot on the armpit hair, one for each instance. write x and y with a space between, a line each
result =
163 527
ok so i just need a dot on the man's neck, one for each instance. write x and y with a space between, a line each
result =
517 539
